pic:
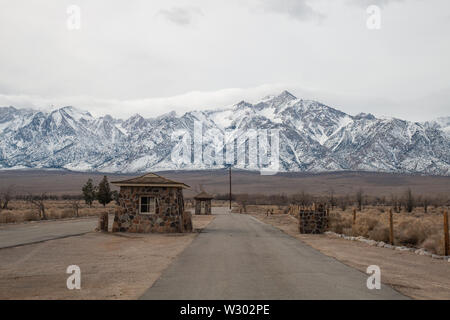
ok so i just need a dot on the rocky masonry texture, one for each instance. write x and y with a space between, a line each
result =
168 214
206 205
313 221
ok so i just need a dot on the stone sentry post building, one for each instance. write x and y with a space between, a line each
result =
150 203
203 203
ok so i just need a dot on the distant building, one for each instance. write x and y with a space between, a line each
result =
203 203
151 203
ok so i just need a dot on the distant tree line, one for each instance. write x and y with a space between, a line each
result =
89 193
404 202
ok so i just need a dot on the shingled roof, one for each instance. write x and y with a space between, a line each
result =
150 180
203 196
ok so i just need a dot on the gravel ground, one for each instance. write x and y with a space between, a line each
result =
113 265
418 277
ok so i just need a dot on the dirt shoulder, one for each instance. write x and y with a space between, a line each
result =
113 265
418 277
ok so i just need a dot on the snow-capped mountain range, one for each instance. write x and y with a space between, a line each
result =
313 138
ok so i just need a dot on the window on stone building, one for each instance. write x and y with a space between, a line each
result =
147 205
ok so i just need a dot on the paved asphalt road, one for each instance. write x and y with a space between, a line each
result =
27 233
239 257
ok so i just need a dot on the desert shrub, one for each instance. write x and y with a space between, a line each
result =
413 232
7 217
418 214
66 213
337 223
434 244
363 226
379 233
29 216
371 223
52 213
59 213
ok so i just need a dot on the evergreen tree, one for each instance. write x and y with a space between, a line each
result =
89 192
104 194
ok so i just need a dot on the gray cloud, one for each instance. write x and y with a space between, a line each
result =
380 3
133 57
296 9
181 16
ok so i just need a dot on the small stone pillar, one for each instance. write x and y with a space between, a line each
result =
103 222
313 221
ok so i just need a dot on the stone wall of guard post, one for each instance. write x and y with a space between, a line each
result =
208 207
198 207
313 220
169 213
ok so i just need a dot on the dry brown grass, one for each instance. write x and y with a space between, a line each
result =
415 229
22 211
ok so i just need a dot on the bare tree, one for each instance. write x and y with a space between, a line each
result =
344 202
425 203
6 196
38 202
331 198
242 199
303 199
438 201
409 200
75 206
360 199
395 203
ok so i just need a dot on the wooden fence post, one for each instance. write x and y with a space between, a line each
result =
299 222
391 227
446 239
354 216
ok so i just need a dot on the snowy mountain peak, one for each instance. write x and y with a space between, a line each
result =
243 105
286 95
313 138
74 113
171 114
363 115
443 123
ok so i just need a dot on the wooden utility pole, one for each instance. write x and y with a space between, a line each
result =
391 227
446 240
230 186
354 216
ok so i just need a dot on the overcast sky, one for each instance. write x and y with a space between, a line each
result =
151 57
